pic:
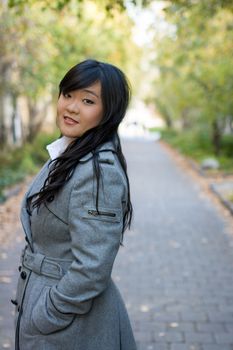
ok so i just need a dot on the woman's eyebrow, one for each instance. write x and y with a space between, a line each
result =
91 92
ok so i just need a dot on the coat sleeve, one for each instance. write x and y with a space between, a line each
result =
95 240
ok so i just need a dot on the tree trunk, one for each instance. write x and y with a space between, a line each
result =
185 121
16 123
4 77
36 118
168 121
216 137
33 125
2 124
164 113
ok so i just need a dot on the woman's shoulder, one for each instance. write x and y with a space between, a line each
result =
106 149
106 157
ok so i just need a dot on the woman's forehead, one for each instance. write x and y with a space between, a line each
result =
93 89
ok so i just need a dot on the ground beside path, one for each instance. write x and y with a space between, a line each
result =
175 272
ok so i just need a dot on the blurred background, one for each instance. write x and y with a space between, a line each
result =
175 271
177 54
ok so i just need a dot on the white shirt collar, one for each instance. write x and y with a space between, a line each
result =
58 146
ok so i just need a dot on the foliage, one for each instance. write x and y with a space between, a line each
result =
59 5
196 144
230 197
49 42
39 44
195 82
19 162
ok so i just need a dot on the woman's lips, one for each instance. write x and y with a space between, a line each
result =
70 121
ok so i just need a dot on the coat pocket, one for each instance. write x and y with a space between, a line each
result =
46 318
103 214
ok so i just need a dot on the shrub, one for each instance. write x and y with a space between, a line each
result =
17 163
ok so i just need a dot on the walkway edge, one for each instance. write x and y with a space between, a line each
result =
194 166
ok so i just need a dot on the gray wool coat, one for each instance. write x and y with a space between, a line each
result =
66 298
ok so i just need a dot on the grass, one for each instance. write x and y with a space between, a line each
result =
197 145
16 164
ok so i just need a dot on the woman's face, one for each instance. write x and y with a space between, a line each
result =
79 110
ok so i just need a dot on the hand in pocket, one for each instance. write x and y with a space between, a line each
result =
46 318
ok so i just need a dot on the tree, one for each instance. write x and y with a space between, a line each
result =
38 46
59 5
195 63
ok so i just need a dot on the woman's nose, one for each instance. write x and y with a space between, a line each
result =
73 107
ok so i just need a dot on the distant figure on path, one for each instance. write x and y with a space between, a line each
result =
74 215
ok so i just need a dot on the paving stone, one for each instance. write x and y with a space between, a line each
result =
210 327
216 347
150 346
229 326
199 337
193 316
185 347
221 316
168 337
181 326
168 317
224 338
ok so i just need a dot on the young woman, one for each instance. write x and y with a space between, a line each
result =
74 215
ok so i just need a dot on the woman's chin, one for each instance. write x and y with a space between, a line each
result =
69 133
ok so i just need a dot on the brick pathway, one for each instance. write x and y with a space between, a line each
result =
9 258
176 269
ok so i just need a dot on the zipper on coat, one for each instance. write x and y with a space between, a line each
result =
97 213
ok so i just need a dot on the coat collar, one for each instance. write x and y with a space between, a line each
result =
58 146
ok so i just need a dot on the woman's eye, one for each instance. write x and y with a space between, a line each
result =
67 95
87 101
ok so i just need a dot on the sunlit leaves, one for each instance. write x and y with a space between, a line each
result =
44 45
59 5
195 83
41 40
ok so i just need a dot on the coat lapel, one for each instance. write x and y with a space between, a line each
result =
35 186
38 183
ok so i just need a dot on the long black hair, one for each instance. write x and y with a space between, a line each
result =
115 94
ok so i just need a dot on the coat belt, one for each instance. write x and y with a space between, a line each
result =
43 265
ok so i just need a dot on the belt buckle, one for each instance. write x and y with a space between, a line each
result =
38 260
